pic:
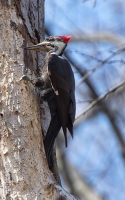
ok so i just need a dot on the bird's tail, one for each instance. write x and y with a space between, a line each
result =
70 127
65 135
51 135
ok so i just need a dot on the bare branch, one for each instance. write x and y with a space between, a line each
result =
100 98
99 65
99 36
83 54
92 57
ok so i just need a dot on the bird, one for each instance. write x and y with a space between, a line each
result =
57 87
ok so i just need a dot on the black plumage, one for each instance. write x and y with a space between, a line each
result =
63 84
57 87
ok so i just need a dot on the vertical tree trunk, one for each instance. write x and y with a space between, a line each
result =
23 167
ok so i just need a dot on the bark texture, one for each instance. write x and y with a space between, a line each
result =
23 167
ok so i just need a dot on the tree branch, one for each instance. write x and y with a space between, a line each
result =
99 36
100 98
99 65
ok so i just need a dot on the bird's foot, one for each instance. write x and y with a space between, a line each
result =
24 77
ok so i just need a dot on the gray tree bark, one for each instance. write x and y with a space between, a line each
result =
23 166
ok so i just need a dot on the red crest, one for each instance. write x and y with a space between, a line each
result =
65 38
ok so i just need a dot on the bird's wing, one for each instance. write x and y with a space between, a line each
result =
62 81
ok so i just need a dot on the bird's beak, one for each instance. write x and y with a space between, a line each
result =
39 47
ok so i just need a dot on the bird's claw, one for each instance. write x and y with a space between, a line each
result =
24 77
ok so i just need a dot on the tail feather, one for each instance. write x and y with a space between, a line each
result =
65 136
70 127
51 135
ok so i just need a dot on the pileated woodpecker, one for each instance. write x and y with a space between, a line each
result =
57 87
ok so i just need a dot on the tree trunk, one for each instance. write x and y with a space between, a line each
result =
23 165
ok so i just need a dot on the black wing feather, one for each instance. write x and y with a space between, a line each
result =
62 80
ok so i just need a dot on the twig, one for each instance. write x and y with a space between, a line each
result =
92 57
83 54
99 65
100 98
